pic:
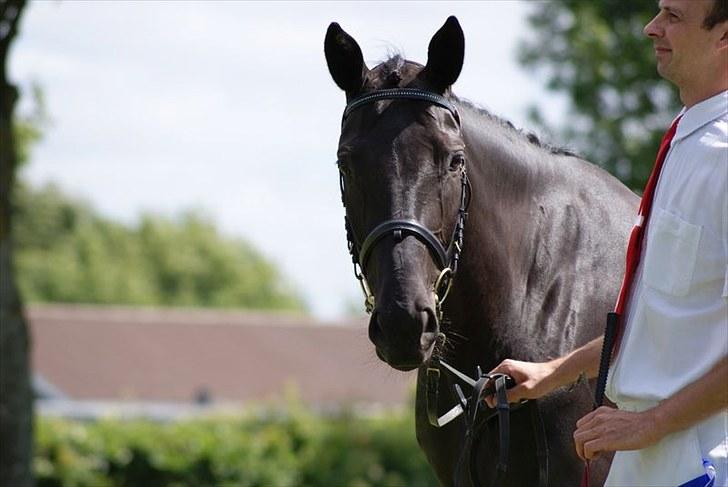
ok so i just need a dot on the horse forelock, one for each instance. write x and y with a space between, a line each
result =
393 72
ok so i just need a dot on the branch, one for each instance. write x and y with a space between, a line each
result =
10 11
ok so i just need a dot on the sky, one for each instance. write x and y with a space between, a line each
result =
228 108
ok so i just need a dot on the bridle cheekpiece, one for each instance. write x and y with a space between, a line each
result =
447 258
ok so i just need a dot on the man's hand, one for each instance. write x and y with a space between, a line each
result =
608 429
536 379
531 380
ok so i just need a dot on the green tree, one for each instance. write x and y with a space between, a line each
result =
67 252
596 54
28 126
16 402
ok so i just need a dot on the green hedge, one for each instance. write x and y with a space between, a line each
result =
297 448
66 251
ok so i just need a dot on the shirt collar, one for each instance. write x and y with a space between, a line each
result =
701 114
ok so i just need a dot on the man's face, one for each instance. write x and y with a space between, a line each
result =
683 48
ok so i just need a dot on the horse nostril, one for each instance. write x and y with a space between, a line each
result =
375 328
430 328
430 324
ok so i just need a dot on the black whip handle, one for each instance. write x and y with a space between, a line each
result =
609 334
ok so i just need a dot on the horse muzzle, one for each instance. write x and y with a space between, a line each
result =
404 337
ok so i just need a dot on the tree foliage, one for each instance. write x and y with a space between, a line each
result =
597 55
66 252
28 125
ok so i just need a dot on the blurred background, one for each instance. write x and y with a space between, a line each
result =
174 261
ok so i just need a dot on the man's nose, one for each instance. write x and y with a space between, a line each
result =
653 28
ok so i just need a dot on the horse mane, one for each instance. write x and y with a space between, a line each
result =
508 125
391 72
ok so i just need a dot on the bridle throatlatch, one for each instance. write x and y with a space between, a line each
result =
447 258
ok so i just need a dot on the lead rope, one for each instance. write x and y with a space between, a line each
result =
539 430
472 408
542 446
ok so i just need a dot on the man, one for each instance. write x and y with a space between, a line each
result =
669 376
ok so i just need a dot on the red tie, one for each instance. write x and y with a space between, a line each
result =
634 246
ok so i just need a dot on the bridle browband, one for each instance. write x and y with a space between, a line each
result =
400 94
447 258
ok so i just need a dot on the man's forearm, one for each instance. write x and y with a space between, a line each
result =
584 359
695 402
536 379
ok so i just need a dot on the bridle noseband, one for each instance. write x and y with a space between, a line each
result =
447 258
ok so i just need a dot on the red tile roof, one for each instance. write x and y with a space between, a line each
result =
115 353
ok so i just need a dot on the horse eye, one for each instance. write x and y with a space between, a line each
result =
343 168
457 161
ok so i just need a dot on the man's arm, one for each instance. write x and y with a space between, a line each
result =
607 429
534 379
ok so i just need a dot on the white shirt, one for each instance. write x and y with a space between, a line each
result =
677 317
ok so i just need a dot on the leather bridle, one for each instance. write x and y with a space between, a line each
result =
446 258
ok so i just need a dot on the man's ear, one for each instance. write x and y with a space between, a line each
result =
723 41
344 59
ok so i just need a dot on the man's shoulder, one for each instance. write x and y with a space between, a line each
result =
713 138
720 126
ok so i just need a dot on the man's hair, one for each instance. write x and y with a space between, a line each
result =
718 13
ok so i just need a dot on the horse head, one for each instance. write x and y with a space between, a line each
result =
401 158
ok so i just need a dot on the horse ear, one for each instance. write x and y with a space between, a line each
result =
445 55
344 58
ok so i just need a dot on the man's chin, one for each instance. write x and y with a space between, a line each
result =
663 69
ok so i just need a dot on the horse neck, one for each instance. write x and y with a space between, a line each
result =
501 268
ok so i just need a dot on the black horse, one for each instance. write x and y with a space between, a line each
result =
542 255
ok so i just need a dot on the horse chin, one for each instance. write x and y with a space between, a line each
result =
406 364
402 366
405 368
